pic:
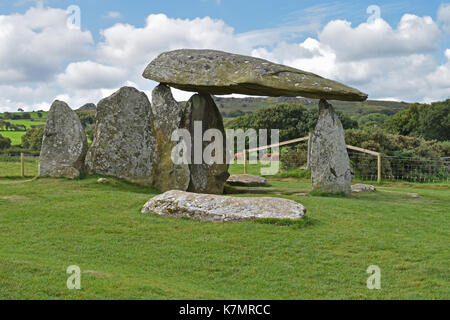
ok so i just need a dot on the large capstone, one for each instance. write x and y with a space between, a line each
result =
64 144
330 164
207 175
216 208
124 144
217 72
167 115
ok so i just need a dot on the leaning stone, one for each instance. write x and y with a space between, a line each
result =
358 188
124 145
330 164
167 117
247 180
217 72
215 208
205 177
64 144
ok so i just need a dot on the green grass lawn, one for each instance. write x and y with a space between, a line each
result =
12 169
47 225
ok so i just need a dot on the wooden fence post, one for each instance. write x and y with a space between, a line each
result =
379 168
308 164
245 161
22 164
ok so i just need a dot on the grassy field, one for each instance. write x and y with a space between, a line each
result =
47 225
16 136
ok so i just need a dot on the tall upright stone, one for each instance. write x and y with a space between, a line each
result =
330 164
64 143
124 144
201 115
167 115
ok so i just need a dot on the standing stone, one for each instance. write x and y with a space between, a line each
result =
124 145
167 115
330 164
205 177
64 144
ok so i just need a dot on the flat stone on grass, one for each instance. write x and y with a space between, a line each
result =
216 208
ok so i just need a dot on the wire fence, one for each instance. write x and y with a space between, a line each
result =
400 168
16 166
365 166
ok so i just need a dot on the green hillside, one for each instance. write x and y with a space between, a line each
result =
19 122
233 107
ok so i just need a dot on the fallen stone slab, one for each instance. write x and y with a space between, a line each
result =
359 188
64 144
247 180
217 72
215 208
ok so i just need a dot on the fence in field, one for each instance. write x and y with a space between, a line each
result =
21 165
366 164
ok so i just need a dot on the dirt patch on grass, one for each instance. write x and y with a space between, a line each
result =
14 198
98 273
417 186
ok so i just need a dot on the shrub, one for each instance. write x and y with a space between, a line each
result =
32 139
5 143
404 156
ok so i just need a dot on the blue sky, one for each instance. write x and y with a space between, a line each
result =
117 38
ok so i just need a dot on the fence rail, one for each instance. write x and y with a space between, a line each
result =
370 165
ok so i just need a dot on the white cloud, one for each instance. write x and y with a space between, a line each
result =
413 35
381 61
91 75
444 16
385 62
444 13
127 45
35 44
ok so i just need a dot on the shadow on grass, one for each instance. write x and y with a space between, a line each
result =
329 195
115 183
295 224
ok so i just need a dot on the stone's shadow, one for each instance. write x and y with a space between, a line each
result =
306 222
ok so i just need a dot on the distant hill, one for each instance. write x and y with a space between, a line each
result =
88 107
233 107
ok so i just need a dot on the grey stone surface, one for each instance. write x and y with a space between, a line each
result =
167 115
205 177
247 180
216 208
218 72
124 144
64 143
359 188
330 164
